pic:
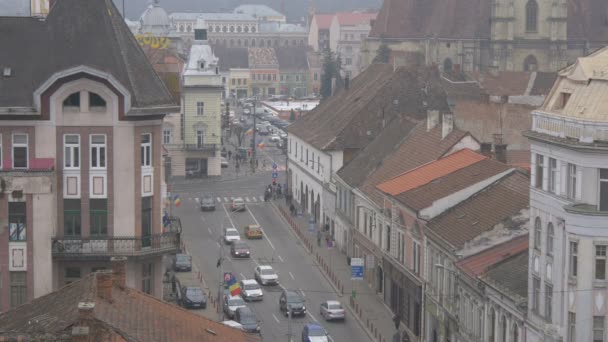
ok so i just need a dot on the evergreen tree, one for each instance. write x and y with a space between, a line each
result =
331 69
383 54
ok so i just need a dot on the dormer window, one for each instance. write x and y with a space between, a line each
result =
72 101
562 100
202 65
96 101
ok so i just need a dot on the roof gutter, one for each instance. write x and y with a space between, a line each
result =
18 111
161 110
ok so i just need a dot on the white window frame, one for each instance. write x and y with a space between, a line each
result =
552 175
571 181
95 148
71 149
550 238
200 108
573 266
201 136
27 150
598 256
416 256
167 135
146 160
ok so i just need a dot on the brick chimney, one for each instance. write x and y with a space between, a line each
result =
447 124
500 151
119 268
104 284
486 149
86 313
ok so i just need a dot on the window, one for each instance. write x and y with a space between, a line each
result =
98 151
573 258
71 217
72 274
531 16
200 137
146 278
562 100
598 328
239 81
600 262
18 288
315 76
99 217
318 164
548 299
539 171
20 151
306 156
16 221
515 333
200 108
312 161
72 101
296 149
537 233
603 190
550 235
571 180
96 100
146 149
71 156
535 294
233 81
167 136
416 257
348 61
244 81
365 223
552 175
388 238
301 152
274 77
571 327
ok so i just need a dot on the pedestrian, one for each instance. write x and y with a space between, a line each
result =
327 227
318 238
229 155
264 162
292 209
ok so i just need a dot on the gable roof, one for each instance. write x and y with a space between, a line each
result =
292 57
323 20
477 264
511 275
354 19
130 313
231 57
76 33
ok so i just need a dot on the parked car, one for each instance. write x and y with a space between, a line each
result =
182 263
231 235
233 324
332 309
192 297
247 319
224 163
314 332
290 299
253 231
231 304
238 204
207 202
266 275
240 249
275 138
246 111
251 290
282 134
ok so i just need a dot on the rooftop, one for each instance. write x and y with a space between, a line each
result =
477 264
354 18
257 11
511 275
282 27
323 20
231 57
211 17
292 57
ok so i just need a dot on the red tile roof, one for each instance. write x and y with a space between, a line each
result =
323 20
353 19
477 264
427 173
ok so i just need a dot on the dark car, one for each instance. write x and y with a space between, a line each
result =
192 297
290 299
240 249
182 263
314 332
247 319
207 202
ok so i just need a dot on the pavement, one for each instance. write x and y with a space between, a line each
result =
363 303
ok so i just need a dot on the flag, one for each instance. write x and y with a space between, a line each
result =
177 201
167 202
249 131
233 286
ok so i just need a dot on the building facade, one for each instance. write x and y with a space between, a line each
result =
81 163
347 32
318 32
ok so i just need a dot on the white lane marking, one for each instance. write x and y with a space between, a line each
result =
291 275
242 276
209 230
303 294
225 199
228 215
311 316
219 199
330 338
262 229
246 199
218 244
280 258
275 318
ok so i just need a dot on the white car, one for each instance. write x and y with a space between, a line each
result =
231 235
233 324
246 111
332 309
231 303
282 134
275 138
251 290
265 275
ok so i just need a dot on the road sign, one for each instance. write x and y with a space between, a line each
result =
274 166
356 265
275 175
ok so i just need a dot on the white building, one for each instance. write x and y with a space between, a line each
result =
569 207
347 32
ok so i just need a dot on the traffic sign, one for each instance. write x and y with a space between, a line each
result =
356 265
274 166
275 175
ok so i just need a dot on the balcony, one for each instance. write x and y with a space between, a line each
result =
585 209
35 165
193 147
105 248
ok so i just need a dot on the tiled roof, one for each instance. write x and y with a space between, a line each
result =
292 57
427 173
511 274
493 207
519 158
132 314
75 33
477 264
504 82
352 118
262 57
231 57
323 20
543 83
354 19
418 148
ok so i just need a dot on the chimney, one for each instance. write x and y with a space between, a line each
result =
119 268
86 311
80 331
432 119
486 149
501 152
447 124
104 284
346 82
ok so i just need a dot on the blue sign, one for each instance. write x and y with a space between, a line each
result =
275 175
274 166
356 265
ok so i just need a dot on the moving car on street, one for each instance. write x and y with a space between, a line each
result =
192 297
224 163
314 332
291 300
182 263
253 231
332 309
231 303
238 204
207 202
240 249
265 275
247 319
275 138
251 290
231 235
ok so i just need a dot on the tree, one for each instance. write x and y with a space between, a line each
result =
383 54
331 70
292 115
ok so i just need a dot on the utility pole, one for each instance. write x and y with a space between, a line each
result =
220 275
253 152
289 333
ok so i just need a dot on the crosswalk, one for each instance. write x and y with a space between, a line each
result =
228 199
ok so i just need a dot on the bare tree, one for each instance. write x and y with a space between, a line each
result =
239 131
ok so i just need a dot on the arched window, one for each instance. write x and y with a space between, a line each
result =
72 101
492 327
231 42
239 29
231 28
447 65
269 43
246 29
238 42
188 28
530 63
504 329
531 16
537 233
261 42
515 333
224 28
550 234
253 29
253 42
96 101
181 28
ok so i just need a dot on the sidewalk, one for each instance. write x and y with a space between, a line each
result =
366 306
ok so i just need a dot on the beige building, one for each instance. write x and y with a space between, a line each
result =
347 32
80 144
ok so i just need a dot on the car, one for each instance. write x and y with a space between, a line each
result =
275 138
182 263
247 319
253 231
192 297
206 202
231 235
233 324
242 119
238 204
291 300
282 134
251 290
240 249
314 332
224 153
332 309
231 303
224 163
266 275
246 111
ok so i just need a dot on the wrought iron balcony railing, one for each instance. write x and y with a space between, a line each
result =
105 247
194 147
